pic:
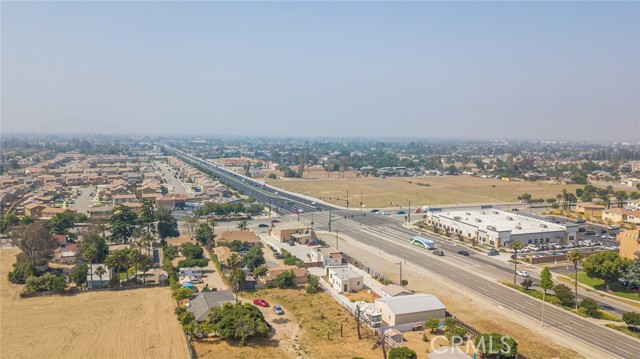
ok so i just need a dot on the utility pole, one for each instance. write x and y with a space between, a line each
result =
329 219
361 200
337 239
347 200
409 212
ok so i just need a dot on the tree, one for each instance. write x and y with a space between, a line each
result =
313 284
61 222
237 277
283 280
603 265
565 295
260 271
546 282
432 324
242 225
186 263
402 353
122 224
167 224
192 223
79 274
100 271
632 319
22 270
46 282
496 346
516 246
589 307
7 221
147 217
253 258
633 271
237 321
575 257
527 283
35 241
119 260
192 251
204 233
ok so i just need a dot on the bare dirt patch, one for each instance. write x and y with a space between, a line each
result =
137 323
398 191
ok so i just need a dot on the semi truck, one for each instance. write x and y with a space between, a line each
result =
369 313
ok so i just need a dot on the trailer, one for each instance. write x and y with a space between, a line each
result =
369 313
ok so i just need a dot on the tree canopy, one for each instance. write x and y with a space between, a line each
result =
605 265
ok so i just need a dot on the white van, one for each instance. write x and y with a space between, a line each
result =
613 227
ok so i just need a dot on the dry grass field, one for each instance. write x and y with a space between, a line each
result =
136 323
421 191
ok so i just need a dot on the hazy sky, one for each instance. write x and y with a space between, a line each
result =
541 70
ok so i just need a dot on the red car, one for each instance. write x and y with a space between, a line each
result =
260 302
295 211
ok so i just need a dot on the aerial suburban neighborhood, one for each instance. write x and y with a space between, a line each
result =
320 179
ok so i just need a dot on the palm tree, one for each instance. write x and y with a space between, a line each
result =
242 225
516 246
90 254
575 257
100 271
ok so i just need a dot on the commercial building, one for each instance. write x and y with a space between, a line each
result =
498 228
629 243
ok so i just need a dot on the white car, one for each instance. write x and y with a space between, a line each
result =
195 280
522 273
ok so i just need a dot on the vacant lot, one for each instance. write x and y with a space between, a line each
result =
317 319
135 323
395 191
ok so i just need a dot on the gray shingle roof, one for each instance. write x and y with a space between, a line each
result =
201 303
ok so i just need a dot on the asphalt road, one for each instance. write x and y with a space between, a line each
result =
390 236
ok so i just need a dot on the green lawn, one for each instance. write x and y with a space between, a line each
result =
598 284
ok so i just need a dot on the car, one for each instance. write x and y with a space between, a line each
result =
195 280
522 273
292 243
312 243
438 253
582 229
295 211
580 220
375 211
275 221
278 309
260 302
277 255
463 252
612 236
263 225
401 212
590 233
493 252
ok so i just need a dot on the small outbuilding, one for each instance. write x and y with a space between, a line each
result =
345 279
408 309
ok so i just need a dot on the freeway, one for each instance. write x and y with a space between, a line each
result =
390 236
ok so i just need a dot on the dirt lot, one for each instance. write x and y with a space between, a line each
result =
300 333
136 323
396 191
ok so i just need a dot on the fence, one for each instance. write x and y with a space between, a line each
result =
190 348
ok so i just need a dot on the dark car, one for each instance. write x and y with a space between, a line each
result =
263 225
463 252
493 252
278 309
590 233
438 253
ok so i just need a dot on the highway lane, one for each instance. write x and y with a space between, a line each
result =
619 345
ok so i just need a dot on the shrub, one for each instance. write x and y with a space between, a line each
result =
179 310
632 319
181 293
589 307
260 271
565 295
21 271
185 263
495 345
46 282
192 251
402 353
313 285
453 331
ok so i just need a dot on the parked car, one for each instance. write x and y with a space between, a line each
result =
277 255
260 302
195 280
580 220
401 212
438 252
375 211
590 233
522 273
292 243
278 309
263 225
493 252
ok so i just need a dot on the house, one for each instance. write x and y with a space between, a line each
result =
589 209
33 210
124 198
300 274
287 231
629 243
49 212
102 211
329 256
61 239
393 290
200 304
247 238
615 215
345 279
634 217
223 253
409 309
96 281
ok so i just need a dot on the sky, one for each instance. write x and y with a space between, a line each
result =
535 70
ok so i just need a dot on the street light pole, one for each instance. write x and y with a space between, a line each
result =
337 238
409 212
